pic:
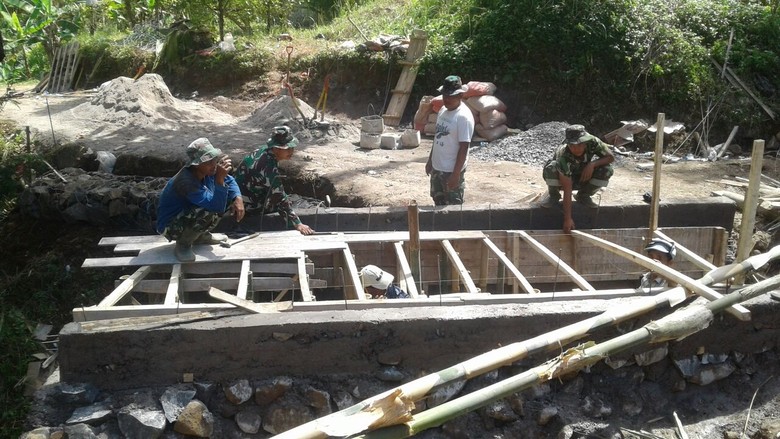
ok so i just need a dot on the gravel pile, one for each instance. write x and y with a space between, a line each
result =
532 147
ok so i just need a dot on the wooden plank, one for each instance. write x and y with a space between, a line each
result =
737 311
658 160
516 258
505 262
405 271
203 253
463 273
484 266
243 303
303 280
125 287
266 283
413 218
689 255
356 288
747 227
556 261
174 286
244 280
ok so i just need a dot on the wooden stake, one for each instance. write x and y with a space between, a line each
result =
659 154
745 243
414 241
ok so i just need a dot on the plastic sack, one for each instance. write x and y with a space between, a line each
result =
430 129
477 88
423 110
491 134
106 162
485 103
433 117
492 118
437 103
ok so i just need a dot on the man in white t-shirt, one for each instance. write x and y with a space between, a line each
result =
449 153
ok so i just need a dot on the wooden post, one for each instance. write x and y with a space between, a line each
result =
414 242
745 243
659 152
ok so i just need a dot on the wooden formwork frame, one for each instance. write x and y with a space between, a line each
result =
287 254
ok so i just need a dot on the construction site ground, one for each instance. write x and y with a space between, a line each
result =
362 177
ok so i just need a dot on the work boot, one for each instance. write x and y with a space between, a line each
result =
208 238
183 250
551 199
586 201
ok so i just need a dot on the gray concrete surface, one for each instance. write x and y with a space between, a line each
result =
350 341
712 211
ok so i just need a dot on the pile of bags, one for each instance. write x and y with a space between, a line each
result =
489 112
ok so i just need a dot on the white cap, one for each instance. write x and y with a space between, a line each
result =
373 276
663 246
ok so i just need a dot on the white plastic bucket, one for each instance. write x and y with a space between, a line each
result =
369 140
372 124
389 141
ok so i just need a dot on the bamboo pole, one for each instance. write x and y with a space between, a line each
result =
699 288
674 326
745 243
350 420
658 158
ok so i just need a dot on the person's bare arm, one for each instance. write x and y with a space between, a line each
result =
567 186
587 172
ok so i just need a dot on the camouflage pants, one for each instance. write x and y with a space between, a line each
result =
441 196
600 177
196 219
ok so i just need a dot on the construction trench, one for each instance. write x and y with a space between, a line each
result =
267 360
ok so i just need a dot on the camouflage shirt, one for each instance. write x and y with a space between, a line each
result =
258 178
569 165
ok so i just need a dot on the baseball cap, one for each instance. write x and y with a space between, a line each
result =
282 138
662 246
373 276
576 134
201 151
452 86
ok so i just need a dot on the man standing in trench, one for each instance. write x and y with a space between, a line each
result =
449 153
582 162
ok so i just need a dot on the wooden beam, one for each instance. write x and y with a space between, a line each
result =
357 291
174 286
516 260
747 227
244 279
405 271
737 311
303 280
658 159
689 255
508 264
484 267
413 218
243 303
266 283
556 261
125 287
463 273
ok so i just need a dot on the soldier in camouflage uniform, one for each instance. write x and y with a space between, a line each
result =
582 162
258 178
194 200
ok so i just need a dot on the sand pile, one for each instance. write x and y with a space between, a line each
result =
146 102
281 111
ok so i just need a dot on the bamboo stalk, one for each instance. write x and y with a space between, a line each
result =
677 325
700 289
747 227
658 158
343 422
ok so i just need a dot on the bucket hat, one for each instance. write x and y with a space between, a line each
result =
576 134
373 276
201 151
282 138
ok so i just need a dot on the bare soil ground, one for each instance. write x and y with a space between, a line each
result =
162 126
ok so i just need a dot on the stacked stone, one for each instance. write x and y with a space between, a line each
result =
93 197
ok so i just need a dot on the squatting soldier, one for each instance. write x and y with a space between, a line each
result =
193 201
258 178
582 162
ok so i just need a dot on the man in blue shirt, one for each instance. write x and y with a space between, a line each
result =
194 200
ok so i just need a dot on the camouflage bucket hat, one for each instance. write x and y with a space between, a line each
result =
576 134
452 86
282 138
201 151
